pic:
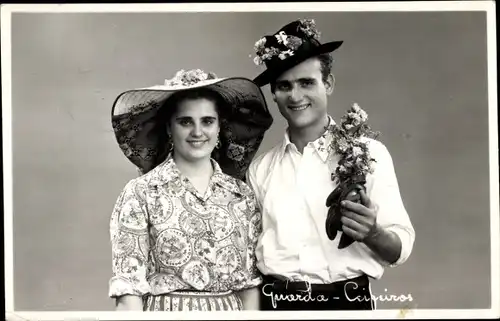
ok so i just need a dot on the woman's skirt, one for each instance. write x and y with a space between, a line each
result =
193 301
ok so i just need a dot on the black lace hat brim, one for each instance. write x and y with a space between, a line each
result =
142 138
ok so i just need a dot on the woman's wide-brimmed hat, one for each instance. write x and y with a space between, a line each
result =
289 46
141 131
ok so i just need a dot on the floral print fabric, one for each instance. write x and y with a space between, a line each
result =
166 236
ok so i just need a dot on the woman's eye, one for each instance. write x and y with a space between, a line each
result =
185 122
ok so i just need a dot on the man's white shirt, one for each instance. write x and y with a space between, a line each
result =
291 189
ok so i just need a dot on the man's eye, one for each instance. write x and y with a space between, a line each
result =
283 87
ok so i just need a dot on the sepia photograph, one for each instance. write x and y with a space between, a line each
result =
250 161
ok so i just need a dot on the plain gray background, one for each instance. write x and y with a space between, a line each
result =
421 76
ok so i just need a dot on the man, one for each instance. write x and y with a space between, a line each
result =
303 268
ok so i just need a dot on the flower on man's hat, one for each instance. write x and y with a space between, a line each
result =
290 44
285 54
258 60
308 26
294 42
260 45
266 54
287 44
281 37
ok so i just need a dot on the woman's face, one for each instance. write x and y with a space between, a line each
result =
194 129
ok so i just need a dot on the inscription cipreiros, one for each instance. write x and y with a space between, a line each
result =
306 296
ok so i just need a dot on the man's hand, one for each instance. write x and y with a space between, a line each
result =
359 220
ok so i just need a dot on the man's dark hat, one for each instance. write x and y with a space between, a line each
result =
289 46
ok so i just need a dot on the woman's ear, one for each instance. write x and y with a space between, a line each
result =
168 131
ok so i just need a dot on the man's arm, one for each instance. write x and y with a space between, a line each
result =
381 221
360 223
385 243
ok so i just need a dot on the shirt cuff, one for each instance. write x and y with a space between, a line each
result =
119 286
407 238
254 282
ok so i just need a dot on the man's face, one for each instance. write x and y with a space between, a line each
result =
301 94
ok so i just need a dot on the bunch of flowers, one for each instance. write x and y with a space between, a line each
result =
287 44
355 158
189 77
354 164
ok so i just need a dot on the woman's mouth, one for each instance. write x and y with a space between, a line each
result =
196 143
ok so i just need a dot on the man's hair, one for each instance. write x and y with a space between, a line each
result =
326 61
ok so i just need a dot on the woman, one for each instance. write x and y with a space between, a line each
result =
183 234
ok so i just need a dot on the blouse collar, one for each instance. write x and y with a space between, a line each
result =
168 171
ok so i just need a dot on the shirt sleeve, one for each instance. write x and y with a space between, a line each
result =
129 243
251 180
254 230
385 195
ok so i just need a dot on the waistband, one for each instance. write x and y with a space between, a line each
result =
192 300
199 293
304 286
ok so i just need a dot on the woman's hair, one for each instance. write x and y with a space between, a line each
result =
171 105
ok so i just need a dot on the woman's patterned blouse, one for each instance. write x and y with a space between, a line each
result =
165 236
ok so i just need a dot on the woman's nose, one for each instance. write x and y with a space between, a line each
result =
196 132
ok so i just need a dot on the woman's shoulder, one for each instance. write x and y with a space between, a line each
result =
162 173
237 185
139 185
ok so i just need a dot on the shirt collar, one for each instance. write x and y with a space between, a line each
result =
320 145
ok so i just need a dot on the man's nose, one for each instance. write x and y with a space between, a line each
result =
296 95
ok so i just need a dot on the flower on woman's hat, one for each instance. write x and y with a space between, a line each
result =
189 77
